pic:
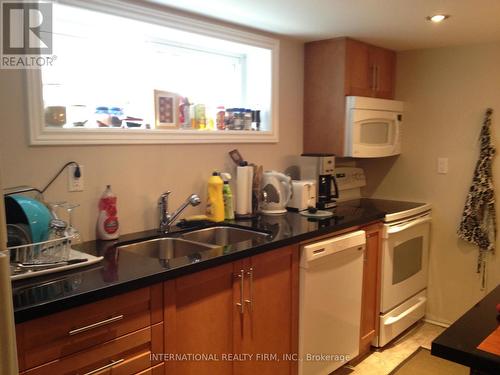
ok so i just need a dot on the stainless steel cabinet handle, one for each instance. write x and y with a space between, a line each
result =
95 325
113 363
240 304
377 78
250 280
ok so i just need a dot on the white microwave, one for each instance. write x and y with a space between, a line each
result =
373 127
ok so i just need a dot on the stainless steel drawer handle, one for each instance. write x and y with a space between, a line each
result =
113 363
241 276
250 281
95 325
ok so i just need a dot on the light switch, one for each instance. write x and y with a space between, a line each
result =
442 165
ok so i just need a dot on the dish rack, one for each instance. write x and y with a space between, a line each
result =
51 251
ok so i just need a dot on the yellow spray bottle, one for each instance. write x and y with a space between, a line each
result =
215 201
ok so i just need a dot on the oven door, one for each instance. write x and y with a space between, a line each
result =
375 133
404 260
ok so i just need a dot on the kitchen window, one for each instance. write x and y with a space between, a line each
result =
129 74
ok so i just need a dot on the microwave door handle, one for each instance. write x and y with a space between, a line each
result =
374 77
407 225
397 123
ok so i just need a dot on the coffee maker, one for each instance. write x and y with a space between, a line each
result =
319 167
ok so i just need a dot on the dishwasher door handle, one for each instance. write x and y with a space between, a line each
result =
318 250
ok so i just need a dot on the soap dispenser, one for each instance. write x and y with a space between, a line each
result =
228 197
215 200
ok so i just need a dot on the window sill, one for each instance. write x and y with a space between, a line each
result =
59 136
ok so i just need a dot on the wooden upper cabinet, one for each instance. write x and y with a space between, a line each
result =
383 65
370 70
359 79
334 69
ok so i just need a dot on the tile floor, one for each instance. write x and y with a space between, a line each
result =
383 361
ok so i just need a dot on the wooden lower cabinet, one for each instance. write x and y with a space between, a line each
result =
199 312
125 355
115 336
268 329
238 318
242 317
370 300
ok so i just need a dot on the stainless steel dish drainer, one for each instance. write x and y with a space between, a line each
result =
50 251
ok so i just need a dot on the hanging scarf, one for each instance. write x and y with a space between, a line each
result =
478 224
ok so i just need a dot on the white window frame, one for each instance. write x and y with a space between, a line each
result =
41 135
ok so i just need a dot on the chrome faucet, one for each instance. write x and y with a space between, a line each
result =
166 219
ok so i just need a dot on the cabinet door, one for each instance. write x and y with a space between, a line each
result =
384 63
371 287
199 321
270 322
360 79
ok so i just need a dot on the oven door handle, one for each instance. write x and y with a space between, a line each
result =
395 319
408 224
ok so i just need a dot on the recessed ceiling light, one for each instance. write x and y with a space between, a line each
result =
437 18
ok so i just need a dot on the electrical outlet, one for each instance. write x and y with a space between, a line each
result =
442 165
74 183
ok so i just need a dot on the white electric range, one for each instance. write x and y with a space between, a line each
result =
405 251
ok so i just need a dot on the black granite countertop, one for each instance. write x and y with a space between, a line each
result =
458 343
123 271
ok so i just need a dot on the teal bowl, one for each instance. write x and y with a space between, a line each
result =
22 209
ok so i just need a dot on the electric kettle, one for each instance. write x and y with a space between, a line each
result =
276 192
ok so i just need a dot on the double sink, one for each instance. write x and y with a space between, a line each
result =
193 243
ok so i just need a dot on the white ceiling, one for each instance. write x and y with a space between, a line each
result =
396 24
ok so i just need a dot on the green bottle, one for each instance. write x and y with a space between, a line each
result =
227 195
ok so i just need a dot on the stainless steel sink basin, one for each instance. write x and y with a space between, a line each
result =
165 248
223 235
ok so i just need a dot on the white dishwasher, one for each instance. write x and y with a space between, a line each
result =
331 273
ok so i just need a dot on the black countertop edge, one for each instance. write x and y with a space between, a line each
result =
33 311
465 358
458 343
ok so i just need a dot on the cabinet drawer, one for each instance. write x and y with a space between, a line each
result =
45 339
157 370
126 355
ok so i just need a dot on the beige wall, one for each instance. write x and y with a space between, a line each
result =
140 173
446 92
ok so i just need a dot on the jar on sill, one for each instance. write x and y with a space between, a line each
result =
200 116
116 116
102 117
237 119
247 119
220 118
229 119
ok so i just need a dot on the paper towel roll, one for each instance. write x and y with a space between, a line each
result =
249 189
244 177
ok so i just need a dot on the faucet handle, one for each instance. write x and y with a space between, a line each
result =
164 197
